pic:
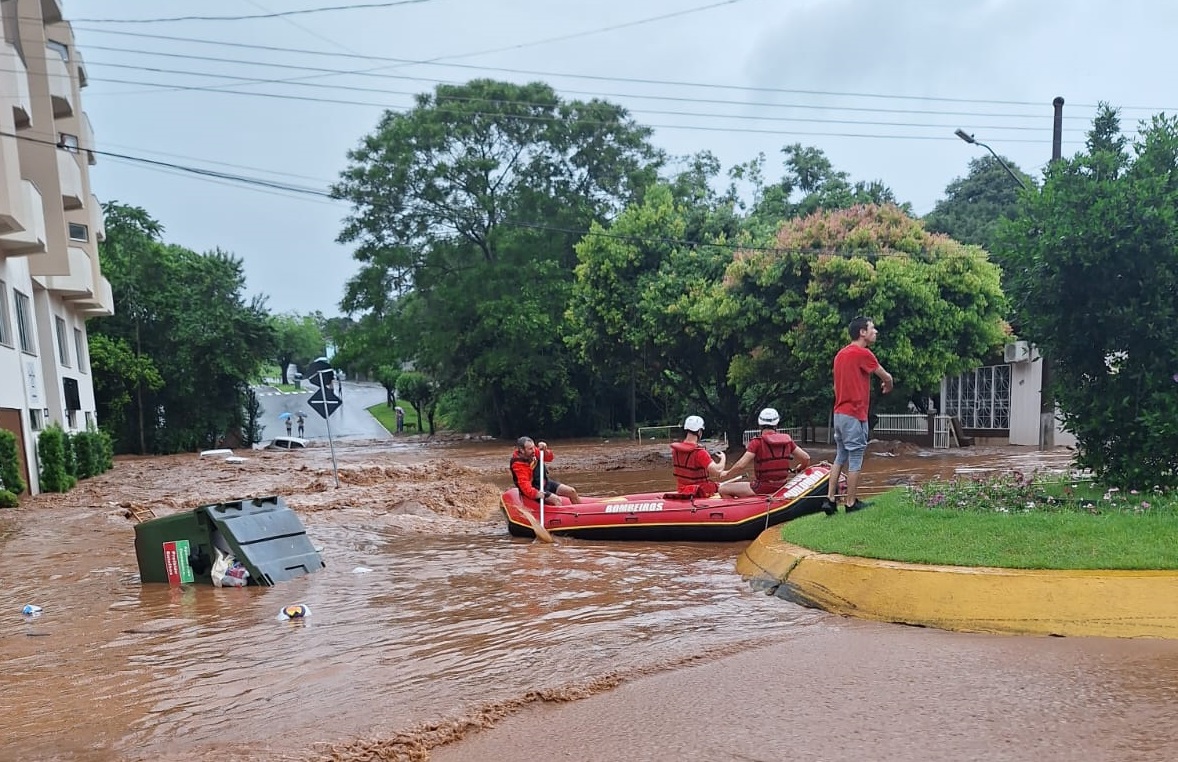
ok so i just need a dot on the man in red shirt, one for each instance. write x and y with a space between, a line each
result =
854 366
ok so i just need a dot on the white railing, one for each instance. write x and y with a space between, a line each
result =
917 423
796 432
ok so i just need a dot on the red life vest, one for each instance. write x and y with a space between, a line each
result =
772 463
691 479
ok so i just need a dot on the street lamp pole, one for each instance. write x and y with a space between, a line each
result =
975 142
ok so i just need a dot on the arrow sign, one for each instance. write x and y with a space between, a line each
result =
320 373
324 402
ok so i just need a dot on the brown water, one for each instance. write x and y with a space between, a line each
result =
429 621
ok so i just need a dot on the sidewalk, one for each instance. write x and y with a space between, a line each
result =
1105 603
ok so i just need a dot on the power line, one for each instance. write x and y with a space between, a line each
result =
554 119
372 73
512 102
575 35
278 14
594 77
264 185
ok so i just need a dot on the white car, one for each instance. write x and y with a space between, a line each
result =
287 443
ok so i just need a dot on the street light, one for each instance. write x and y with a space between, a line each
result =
974 141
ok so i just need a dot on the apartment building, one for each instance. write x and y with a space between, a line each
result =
50 226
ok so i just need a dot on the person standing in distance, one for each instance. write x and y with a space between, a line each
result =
854 366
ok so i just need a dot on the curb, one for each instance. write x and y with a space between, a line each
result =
1102 603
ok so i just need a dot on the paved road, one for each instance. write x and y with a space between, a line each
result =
350 421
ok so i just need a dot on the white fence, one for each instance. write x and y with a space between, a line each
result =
797 432
917 423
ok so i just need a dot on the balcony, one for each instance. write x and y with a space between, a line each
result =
79 284
102 304
14 82
88 140
69 174
12 196
51 11
60 88
97 222
30 216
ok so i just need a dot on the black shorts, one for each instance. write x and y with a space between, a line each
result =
552 486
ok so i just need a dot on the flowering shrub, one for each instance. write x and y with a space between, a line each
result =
1015 492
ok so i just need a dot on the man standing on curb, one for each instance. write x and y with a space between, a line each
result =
854 366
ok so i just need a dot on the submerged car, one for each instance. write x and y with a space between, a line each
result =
287 443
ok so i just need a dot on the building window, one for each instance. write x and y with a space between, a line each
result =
80 351
5 326
70 419
59 48
79 232
24 322
90 421
67 142
63 349
36 421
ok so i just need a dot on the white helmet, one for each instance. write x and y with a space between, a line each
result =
693 423
769 417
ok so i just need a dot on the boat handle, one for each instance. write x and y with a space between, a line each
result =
631 519
716 515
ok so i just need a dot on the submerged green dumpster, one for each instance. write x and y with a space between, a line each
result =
261 533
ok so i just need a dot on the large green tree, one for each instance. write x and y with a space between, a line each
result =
298 340
1091 265
190 340
938 303
465 210
975 206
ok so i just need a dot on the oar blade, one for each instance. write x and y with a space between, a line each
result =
542 534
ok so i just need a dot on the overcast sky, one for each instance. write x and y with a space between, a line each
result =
879 85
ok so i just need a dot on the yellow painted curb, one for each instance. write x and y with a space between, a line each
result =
1120 604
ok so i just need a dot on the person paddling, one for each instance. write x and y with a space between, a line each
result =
526 474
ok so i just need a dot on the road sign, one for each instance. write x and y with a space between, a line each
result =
324 402
320 374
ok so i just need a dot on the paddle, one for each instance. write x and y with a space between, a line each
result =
542 534
543 487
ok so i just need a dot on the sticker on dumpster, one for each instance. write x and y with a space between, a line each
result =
176 562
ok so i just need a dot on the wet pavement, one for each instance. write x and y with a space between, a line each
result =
430 625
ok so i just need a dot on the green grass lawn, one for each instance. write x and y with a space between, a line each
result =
1080 530
388 418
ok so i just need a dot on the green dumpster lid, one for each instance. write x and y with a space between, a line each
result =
266 537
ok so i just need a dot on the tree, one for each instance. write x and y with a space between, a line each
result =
975 205
464 216
1091 264
809 183
938 303
636 301
187 319
386 376
421 393
298 340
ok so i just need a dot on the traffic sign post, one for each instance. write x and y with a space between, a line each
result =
324 402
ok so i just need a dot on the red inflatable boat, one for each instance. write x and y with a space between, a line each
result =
670 515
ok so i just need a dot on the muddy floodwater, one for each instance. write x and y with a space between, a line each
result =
434 635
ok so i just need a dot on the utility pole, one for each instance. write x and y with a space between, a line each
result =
1046 398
